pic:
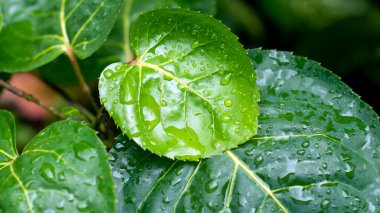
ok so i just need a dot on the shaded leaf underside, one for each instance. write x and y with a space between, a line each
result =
317 149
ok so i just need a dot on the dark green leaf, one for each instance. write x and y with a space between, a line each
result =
62 169
114 49
317 150
187 94
36 32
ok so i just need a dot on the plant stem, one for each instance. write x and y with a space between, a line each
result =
126 25
31 98
73 59
85 88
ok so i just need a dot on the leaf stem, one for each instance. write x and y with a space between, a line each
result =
31 98
126 26
85 88
73 59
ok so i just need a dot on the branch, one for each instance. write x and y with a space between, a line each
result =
31 98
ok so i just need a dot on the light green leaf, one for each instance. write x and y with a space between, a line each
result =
34 33
62 169
188 92
116 48
317 150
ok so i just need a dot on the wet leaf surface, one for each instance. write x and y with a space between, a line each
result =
62 169
45 29
187 93
317 150
116 46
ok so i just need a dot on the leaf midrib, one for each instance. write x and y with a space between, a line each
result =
163 72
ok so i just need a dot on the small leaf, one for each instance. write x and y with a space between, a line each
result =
317 150
117 44
64 168
186 95
28 40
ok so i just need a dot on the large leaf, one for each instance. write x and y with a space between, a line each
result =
36 32
317 150
188 92
63 169
116 47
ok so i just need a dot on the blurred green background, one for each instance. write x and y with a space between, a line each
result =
343 35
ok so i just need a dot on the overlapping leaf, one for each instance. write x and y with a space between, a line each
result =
36 32
63 169
317 150
188 92
116 48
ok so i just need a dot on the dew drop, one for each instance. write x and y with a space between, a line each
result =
305 144
325 204
236 130
222 46
103 100
164 103
259 159
226 79
47 172
225 118
228 102
211 186
60 205
84 151
82 206
108 74
166 200
195 45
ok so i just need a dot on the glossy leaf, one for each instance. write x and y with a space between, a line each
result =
317 150
188 92
62 169
116 45
36 32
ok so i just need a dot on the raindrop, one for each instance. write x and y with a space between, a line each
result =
225 118
222 46
164 103
259 159
82 206
47 172
236 130
108 74
195 45
226 79
325 204
103 100
211 186
305 144
166 200
84 151
60 205
228 102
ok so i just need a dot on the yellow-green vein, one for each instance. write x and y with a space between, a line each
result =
171 76
231 187
258 181
77 34
23 189
186 186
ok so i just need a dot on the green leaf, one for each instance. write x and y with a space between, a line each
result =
62 169
317 150
187 94
117 45
28 40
